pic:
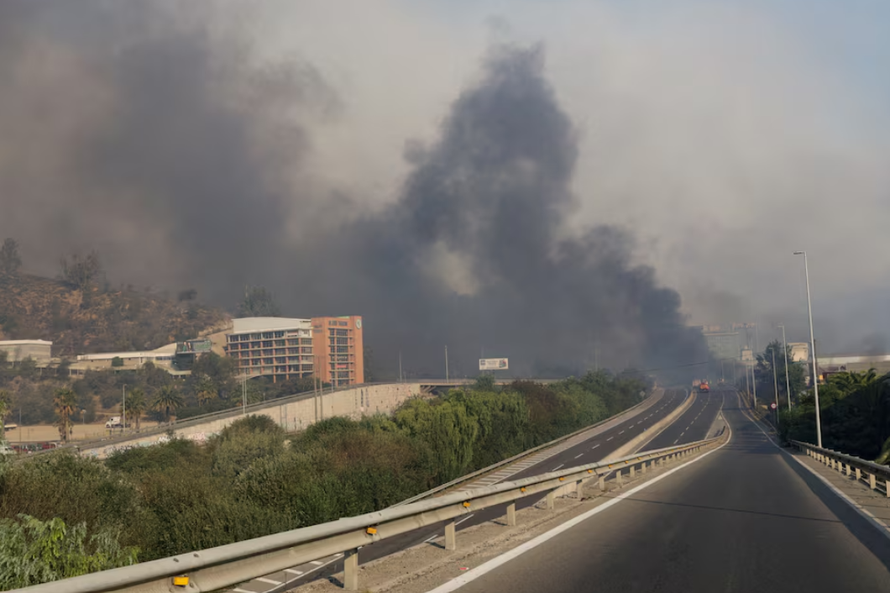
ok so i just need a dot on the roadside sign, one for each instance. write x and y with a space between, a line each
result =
772 406
494 364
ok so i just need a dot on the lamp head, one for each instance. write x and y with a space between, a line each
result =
800 253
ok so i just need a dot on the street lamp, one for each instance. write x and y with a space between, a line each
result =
787 380
813 347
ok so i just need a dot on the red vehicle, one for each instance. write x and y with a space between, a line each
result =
704 387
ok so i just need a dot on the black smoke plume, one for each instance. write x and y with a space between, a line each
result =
171 151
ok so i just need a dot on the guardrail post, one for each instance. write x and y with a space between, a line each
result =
603 483
644 467
872 481
887 487
858 474
550 501
633 472
350 571
511 514
618 478
450 539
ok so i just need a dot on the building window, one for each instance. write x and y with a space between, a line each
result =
279 334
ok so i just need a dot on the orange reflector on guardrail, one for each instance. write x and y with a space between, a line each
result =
181 581
371 530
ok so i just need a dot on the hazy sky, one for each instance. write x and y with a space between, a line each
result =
724 134
720 135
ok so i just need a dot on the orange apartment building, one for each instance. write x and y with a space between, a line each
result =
339 345
283 348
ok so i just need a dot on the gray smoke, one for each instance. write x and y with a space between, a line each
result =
162 141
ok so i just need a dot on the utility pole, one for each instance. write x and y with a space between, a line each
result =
754 381
124 410
446 363
244 393
776 385
787 380
806 268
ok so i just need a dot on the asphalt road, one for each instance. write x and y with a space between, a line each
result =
594 449
693 424
743 519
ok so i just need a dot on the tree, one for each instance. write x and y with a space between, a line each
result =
10 260
136 405
258 302
764 373
166 400
205 391
4 411
65 402
370 371
81 273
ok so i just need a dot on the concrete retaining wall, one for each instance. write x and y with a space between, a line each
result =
292 416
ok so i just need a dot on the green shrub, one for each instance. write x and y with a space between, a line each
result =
34 551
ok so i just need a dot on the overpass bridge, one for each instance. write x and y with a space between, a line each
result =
713 510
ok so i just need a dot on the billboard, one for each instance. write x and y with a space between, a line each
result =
493 364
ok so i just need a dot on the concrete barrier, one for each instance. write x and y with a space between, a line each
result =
292 415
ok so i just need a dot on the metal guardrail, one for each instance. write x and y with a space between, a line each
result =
518 456
875 475
225 566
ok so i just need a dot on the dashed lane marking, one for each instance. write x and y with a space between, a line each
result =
622 432
594 447
268 581
610 438
240 590
578 455
557 467
316 562
292 571
470 516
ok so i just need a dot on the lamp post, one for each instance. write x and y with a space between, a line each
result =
124 410
776 385
787 380
806 268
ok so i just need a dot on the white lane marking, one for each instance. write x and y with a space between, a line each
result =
268 581
239 590
482 569
316 562
610 438
675 442
557 467
292 571
323 564
578 455
594 447
622 432
456 523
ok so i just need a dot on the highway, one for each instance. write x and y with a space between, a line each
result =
693 425
744 518
594 449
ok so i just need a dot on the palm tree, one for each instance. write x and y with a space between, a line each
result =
167 399
136 405
205 390
66 405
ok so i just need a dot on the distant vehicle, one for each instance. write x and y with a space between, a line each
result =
703 387
6 449
114 422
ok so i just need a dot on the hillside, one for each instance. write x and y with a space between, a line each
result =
96 320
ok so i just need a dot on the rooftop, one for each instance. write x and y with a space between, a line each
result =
25 343
262 324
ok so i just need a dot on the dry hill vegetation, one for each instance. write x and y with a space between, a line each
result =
80 312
